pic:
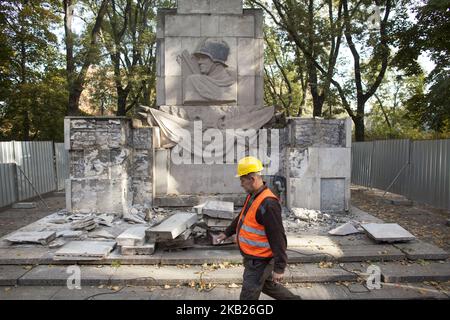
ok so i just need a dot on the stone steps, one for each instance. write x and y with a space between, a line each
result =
313 291
51 275
300 253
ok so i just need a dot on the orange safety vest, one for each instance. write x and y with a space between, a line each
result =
251 237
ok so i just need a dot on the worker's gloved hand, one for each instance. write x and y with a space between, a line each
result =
277 277
221 237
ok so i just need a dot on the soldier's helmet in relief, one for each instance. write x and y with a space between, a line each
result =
217 50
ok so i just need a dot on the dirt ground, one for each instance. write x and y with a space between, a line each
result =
425 222
13 219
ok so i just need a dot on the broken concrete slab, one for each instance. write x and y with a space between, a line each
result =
101 234
173 226
216 223
24 205
387 232
176 244
134 236
69 233
43 237
418 249
87 224
85 250
57 243
146 249
427 271
345 229
219 209
105 219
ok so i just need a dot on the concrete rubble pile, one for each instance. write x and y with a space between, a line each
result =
175 232
217 216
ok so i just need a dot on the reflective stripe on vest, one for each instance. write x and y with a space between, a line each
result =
252 237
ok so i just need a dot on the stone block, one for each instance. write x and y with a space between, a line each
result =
193 6
142 165
226 6
142 191
142 138
303 193
248 56
246 91
160 91
387 232
89 250
172 48
43 237
237 26
218 209
334 162
173 86
146 249
209 26
134 236
259 90
209 6
182 26
24 205
173 226
332 194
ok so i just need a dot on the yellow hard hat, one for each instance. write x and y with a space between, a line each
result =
248 165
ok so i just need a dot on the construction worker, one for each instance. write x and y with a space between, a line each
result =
260 235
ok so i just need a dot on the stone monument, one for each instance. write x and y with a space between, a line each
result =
210 74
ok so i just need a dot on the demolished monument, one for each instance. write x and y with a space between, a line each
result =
210 113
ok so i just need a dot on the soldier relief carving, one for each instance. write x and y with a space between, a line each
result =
207 79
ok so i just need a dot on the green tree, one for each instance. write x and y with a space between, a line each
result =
429 34
28 57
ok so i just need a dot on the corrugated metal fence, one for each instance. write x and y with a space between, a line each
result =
419 170
29 167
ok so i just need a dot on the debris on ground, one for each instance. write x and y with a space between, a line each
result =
134 215
172 227
83 222
57 243
24 205
387 232
217 215
134 236
43 237
74 234
300 220
84 250
348 228
101 234
174 232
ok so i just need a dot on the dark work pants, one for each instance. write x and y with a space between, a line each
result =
258 278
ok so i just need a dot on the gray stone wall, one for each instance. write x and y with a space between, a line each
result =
194 21
111 165
317 161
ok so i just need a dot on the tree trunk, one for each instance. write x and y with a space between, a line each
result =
359 127
122 95
76 79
